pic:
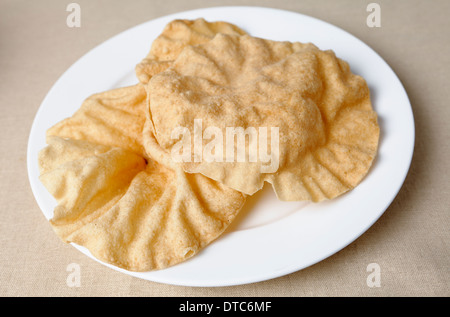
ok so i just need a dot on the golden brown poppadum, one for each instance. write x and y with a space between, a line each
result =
327 127
120 194
113 198
115 118
174 38
127 209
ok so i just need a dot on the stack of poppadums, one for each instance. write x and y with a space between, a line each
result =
114 167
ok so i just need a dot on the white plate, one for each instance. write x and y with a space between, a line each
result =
270 238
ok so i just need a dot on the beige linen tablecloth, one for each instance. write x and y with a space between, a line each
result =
410 242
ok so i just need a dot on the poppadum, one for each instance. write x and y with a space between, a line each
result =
328 131
175 36
127 209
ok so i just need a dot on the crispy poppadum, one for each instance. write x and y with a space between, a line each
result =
127 209
114 118
176 35
121 195
328 131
